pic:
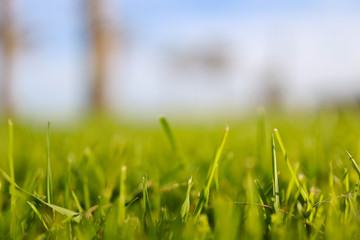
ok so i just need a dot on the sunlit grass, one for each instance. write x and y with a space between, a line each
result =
109 180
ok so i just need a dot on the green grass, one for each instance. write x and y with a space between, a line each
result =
108 179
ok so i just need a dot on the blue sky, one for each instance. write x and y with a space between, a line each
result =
298 34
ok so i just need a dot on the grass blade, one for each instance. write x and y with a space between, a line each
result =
217 158
293 175
291 185
147 217
261 134
10 154
38 214
352 160
275 177
12 180
167 129
205 192
185 208
253 224
66 212
122 197
77 203
261 192
86 192
49 189
264 201
68 183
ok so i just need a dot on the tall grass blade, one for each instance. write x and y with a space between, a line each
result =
1 198
293 175
347 201
185 208
77 202
167 129
49 188
291 185
86 192
205 192
352 160
264 201
147 217
122 197
36 211
174 146
12 178
275 177
254 220
261 192
75 216
68 184
10 154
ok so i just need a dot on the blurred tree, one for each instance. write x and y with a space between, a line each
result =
99 37
8 43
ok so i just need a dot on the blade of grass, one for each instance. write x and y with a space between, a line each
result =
147 217
291 185
68 184
77 203
12 178
205 192
264 202
49 189
86 192
167 129
261 134
293 175
185 208
254 219
346 182
10 154
66 212
122 197
261 192
1 198
331 181
174 146
275 177
352 160
38 214
218 153
216 178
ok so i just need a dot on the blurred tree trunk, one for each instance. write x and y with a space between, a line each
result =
99 49
7 46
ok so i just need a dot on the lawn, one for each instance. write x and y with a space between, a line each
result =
271 175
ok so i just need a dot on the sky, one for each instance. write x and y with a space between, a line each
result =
314 45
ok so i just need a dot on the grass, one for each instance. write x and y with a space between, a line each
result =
116 180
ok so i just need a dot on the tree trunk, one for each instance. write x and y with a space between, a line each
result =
99 48
8 41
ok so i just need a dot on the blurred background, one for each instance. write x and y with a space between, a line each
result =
139 58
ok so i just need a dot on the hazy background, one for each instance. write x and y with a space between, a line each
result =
196 57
